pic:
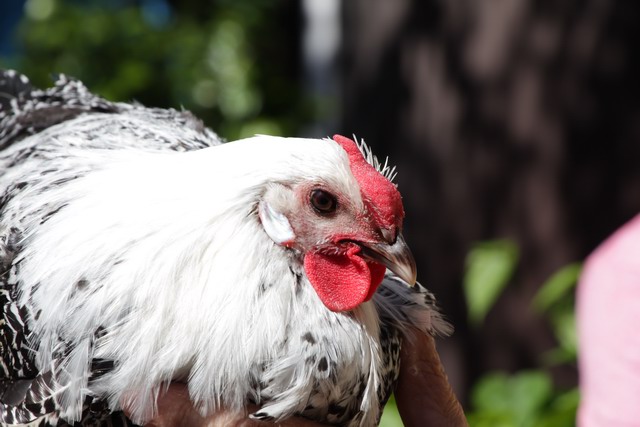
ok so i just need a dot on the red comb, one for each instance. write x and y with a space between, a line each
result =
382 197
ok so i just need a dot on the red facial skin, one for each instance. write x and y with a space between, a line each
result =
341 277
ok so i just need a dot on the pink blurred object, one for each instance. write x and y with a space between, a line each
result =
609 332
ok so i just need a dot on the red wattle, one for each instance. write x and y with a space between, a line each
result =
377 274
343 281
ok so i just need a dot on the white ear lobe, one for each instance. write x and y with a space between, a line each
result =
275 224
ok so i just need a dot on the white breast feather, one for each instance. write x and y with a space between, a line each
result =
166 251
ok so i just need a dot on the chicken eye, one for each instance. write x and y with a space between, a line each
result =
323 202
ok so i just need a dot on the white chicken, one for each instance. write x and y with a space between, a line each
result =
137 249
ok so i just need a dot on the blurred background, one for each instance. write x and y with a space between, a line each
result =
514 125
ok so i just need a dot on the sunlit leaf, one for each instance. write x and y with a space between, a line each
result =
557 286
516 399
562 412
490 419
491 393
530 390
568 400
390 416
489 268
564 327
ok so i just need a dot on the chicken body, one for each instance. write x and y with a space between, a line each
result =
137 249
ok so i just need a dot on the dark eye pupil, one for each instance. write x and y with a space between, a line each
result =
322 201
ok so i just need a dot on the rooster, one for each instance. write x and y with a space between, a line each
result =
137 249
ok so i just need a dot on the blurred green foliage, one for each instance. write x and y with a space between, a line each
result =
523 399
391 416
555 300
489 266
526 398
233 63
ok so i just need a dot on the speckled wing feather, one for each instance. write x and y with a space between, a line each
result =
27 396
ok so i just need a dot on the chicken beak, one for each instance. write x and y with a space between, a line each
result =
396 257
